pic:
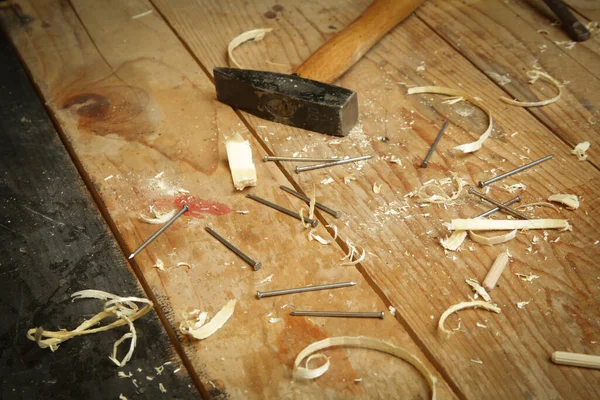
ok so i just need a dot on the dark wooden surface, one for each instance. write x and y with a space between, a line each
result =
55 242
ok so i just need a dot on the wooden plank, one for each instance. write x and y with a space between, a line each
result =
55 242
503 39
405 260
141 118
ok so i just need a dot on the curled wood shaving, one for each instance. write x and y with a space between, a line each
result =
478 289
352 251
440 197
505 225
462 306
468 147
159 218
454 241
313 236
534 75
196 327
376 188
569 200
124 309
492 240
159 264
359 342
254 34
580 150
335 230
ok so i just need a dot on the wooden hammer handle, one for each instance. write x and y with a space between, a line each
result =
340 53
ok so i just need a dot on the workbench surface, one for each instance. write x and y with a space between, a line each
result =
128 85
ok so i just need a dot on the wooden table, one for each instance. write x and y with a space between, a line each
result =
132 97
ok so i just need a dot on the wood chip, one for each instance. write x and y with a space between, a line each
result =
569 200
534 75
454 241
376 188
580 150
461 306
254 34
239 155
491 279
468 147
492 240
358 342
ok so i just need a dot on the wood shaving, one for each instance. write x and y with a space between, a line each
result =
349 178
159 264
392 310
263 281
505 225
500 79
124 309
243 212
461 306
196 327
478 289
122 397
140 15
376 188
335 230
239 156
514 188
439 196
162 388
327 181
492 240
476 361
580 150
359 342
313 236
159 218
184 264
254 34
454 241
479 325
569 200
352 251
527 278
468 147
122 374
522 304
275 320
533 77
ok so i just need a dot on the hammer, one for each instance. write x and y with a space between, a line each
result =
307 99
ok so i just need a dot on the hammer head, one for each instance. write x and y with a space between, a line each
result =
289 99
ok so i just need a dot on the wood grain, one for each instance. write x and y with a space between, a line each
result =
140 116
587 8
405 260
54 243
503 41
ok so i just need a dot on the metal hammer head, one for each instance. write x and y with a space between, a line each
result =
289 99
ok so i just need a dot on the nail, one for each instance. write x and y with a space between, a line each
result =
498 204
320 206
514 171
341 314
311 222
496 209
158 232
332 164
282 292
254 264
434 145
299 159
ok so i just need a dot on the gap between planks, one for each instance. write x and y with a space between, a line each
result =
372 284
111 224
528 109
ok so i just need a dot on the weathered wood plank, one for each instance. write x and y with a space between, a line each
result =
54 243
141 117
407 262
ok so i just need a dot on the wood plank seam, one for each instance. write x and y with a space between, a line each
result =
111 224
528 109
412 333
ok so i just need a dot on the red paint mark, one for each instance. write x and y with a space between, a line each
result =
199 206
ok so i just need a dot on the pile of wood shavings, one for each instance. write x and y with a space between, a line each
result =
438 195
124 309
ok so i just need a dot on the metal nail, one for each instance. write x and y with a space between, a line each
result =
299 159
341 314
332 164
158 232
498 204
282 292
434 145
311 222
483 184
254 264
496 209
320 206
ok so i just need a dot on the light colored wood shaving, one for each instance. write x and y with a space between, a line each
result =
124 309
478 289
359 342
468 147
505 225
376 188
335 230
352 251
454 241
492 240
254 34
159 218
569 200
265 280
200 331
461 306
534 75
159 264
581 151
438 195
313 236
